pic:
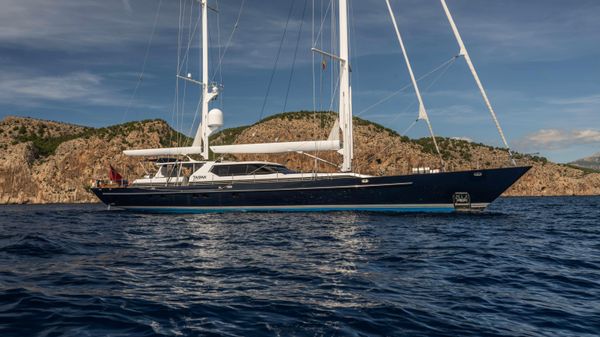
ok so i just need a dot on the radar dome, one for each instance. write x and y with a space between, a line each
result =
215 119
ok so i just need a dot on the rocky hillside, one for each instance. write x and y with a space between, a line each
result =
591 162
381 151
51 162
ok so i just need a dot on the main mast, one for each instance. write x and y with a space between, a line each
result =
345 104
203 131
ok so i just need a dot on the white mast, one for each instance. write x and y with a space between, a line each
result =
463 52
345 104
422 111
203 131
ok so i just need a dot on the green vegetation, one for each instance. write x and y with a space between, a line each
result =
326 118
449 148
174 138
47 146
303 114
462 149
535 158
378 127
228 136
41 130
428 146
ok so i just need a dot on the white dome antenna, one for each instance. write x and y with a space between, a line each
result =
215 120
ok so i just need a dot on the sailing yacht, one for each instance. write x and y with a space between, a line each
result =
184 184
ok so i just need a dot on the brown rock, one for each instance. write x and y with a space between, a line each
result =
33 171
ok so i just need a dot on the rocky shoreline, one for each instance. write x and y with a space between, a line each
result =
52 162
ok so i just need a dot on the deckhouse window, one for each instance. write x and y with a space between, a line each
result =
248 169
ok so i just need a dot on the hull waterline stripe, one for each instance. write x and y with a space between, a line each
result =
259 190
390 207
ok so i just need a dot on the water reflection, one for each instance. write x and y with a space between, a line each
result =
323 274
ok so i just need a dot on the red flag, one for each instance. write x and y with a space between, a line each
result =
113 175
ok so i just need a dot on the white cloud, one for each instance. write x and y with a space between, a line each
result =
553 139
83 88
581 100
104 25
529 30
73 25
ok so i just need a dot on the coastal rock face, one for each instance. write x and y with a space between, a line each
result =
60 165
380 151
51 162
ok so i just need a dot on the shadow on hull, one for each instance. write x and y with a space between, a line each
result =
464 191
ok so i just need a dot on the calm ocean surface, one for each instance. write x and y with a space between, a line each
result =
527 267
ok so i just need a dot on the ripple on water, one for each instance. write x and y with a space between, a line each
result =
528 267
35 245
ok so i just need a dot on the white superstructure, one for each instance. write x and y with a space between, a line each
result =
190 172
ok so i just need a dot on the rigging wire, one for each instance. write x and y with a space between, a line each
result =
333 33
355 65
312 43
444 67
189 43
191 34
287 93
409 85
146 54
220 49
175 110
321 73
228 43
262 110
314 78
433 82
323 17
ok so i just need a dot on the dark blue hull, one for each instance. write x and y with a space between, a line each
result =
441 192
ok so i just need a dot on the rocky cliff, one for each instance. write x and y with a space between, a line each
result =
51 162
381 151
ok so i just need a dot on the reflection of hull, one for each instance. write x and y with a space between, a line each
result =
441 192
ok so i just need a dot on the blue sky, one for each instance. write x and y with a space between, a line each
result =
79 62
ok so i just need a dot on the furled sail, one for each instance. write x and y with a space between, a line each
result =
306 146
167 151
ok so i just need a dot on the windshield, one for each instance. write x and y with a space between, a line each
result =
249 169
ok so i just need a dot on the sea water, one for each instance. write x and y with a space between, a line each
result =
525 267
